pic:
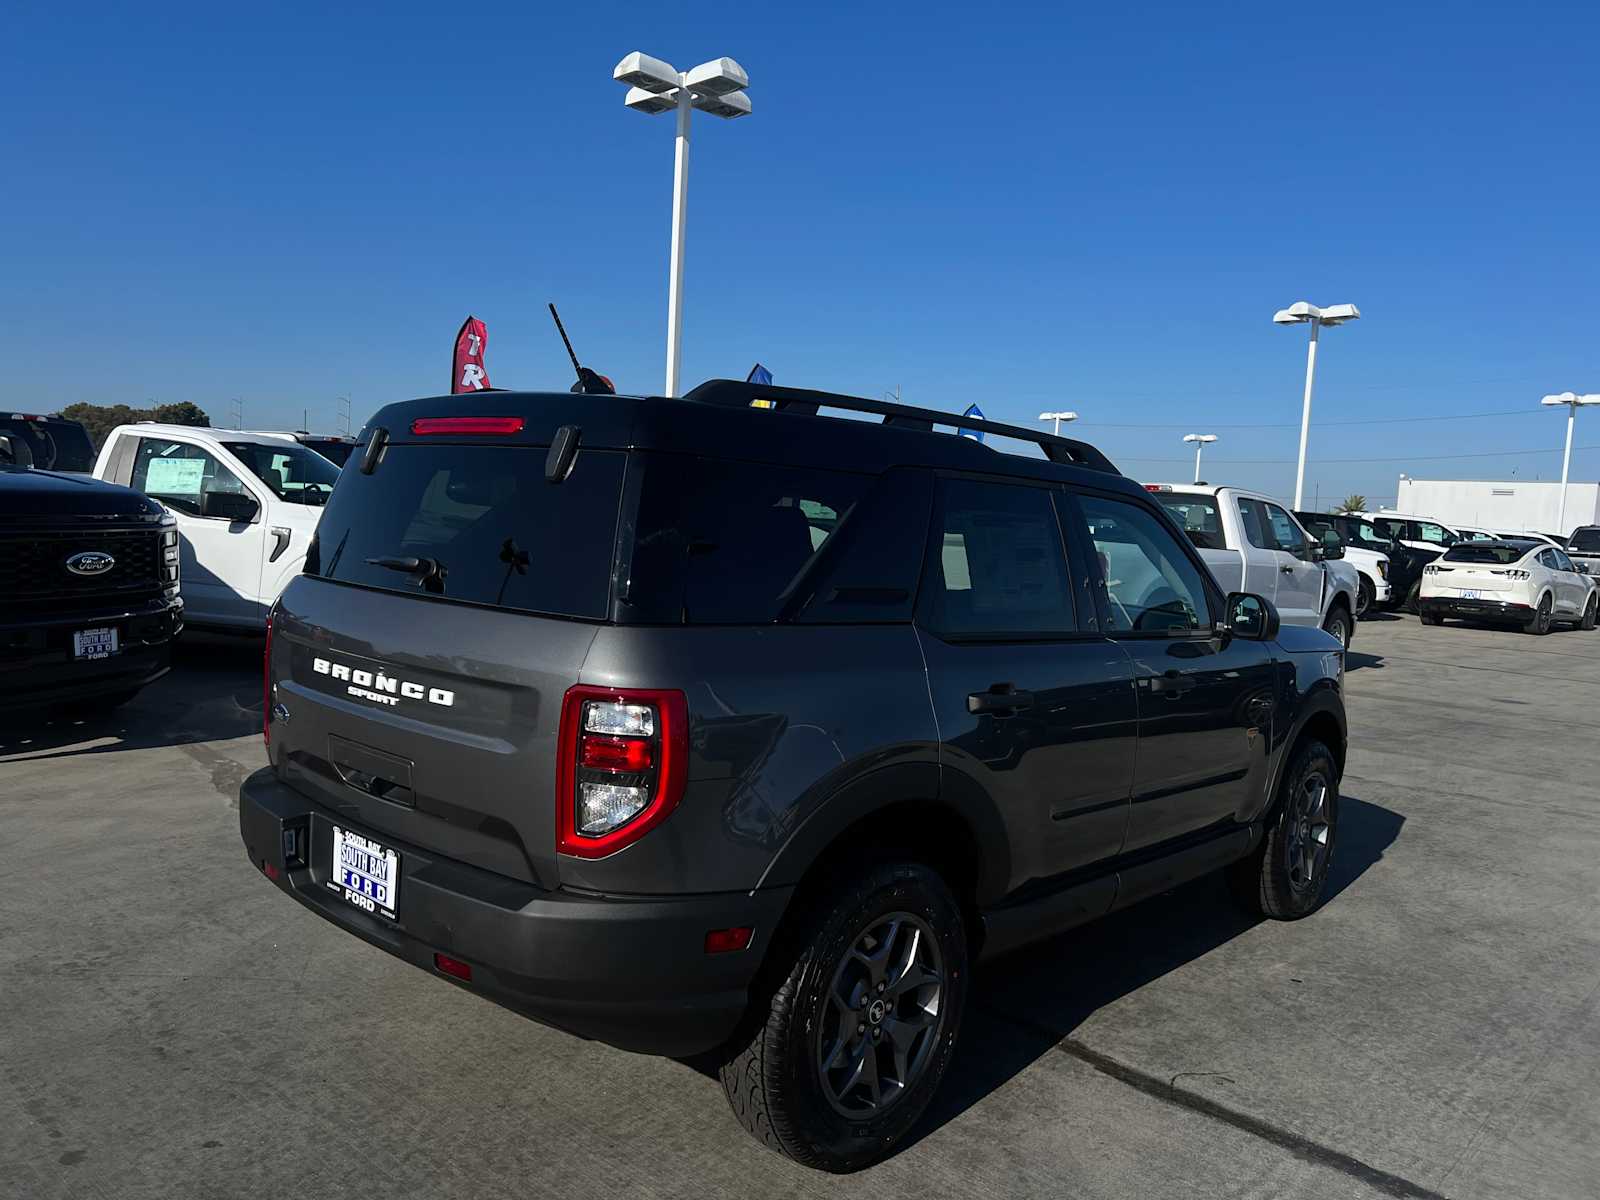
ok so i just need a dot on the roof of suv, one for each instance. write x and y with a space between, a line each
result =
718 418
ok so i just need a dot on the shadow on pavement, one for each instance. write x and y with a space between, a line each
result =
1059 983
212 693
1354 660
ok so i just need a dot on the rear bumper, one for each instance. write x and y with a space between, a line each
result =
1480 610
37 669
630 972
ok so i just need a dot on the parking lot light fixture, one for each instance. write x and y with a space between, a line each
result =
1200 441
654 87
1058 417
1573 403
1302 313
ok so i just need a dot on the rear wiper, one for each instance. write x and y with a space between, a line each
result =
430 572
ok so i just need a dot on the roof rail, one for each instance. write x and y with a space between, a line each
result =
732 393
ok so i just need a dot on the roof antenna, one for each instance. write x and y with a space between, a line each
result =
589 382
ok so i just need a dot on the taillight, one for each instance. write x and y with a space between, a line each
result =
266 686
477 426
621 766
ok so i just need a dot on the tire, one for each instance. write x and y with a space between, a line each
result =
1284 877
1539 623
1589 613
1428 618
1413 601
1364 596
1338 623
774 1076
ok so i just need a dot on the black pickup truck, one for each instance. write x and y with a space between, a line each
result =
89 601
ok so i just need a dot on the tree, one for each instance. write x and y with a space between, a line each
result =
1353 503
101 419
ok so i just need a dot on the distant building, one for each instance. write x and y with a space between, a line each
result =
1516 505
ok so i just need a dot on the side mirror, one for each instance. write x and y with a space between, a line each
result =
231 506
1328 550
1251 617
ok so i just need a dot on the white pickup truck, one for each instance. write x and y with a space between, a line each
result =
1253 544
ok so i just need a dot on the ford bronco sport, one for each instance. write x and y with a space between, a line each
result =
702 726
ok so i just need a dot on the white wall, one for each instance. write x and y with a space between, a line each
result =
1514 505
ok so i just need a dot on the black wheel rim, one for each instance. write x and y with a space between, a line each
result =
877 1034
1306 849
1363 599
1544 614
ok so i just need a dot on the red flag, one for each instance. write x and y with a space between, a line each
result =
467 373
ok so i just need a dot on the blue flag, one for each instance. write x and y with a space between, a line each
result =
759 374
976 435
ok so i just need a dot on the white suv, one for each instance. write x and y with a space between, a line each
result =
1532 583
246 506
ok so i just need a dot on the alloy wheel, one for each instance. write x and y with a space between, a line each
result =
881 1023
1310 832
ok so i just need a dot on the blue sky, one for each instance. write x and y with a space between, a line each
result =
1028 206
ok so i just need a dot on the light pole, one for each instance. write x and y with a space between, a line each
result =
1058 417
1300 314
1573 403
1200 441
714 87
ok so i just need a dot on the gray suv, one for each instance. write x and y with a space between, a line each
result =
730 725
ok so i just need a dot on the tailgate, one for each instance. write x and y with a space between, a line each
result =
436 727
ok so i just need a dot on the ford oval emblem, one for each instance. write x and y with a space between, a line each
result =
90 562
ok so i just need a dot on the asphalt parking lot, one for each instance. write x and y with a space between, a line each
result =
173 1026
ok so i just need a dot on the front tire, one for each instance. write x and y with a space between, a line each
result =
1338 623
1284 877
1365 591
1428 618
1590 614
847 1051
1539 623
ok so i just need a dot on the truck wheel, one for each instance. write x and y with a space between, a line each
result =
1338 623
1414 598
1428 618
843 1056
1364 594
1283 878
1589 613
1539 623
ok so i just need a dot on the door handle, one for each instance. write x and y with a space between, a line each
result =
1172 684
1287 570
1001 699
280 538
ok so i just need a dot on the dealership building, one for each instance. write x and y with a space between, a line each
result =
1519 504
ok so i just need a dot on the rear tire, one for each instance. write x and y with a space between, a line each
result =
1413 601
1284 877
797 1076
1428 618
1539 623
1338 623
1364 596
1590 615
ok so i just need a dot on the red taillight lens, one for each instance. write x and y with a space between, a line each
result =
477 426
266 687
721 941
453 967
601 752
621 766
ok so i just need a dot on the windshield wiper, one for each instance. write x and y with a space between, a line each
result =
429 572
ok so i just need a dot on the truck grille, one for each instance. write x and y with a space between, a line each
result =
34 575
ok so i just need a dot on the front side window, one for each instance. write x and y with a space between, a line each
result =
996 566
1150 584
294 473
1285 532
1390 531
181 475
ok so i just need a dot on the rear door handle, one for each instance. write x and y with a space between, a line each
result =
1172 684
1001 698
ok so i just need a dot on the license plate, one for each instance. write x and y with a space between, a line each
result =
1470 594
365 873
94 643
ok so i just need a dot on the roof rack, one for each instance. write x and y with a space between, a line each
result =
732 393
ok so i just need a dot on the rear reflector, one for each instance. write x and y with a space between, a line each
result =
721 941
270 871
479 426
453 967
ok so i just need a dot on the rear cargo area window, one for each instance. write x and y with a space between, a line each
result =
483 524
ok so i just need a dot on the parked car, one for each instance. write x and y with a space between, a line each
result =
1583 548
333 448
1370 558
1251 543
46 441
246 505
88 591
1420 533
1530 582
1405 562
703 728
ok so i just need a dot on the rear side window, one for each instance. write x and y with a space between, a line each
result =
720 542
1197 516
1428 531
1253 514
995 565
483 525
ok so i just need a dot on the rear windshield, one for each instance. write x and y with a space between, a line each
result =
294 473
49 445
482 525
1479 552
1586 541
1198 517
335 450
